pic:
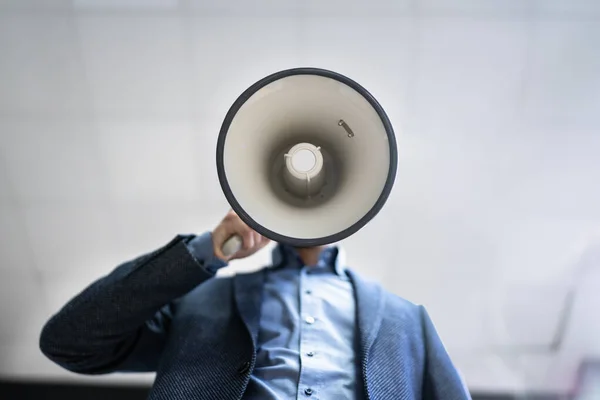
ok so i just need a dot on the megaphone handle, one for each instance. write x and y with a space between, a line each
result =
232 246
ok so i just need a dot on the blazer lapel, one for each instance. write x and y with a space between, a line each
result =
369 309
248 290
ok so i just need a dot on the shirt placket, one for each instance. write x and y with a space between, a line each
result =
308 385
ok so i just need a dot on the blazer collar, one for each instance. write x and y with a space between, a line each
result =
370 303
248 293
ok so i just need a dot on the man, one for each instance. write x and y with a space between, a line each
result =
304 328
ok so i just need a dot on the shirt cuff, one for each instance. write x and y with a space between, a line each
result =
201 248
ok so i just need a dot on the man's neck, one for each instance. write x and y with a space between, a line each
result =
310 255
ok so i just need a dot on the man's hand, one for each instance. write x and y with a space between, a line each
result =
232 225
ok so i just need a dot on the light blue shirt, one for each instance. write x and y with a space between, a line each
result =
307 338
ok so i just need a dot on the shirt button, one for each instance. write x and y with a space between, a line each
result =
308 291
308 391
309 320
310 354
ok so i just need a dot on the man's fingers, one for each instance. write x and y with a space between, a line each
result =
263 241
257 239
218 242
248 238
219 254
232 225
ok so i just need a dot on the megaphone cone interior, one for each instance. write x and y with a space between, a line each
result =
306 157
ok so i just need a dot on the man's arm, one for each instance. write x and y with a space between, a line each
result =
441 380
120 322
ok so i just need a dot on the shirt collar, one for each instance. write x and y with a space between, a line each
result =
332 256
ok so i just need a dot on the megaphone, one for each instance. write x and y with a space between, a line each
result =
306 157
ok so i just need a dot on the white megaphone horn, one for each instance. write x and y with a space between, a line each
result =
305 157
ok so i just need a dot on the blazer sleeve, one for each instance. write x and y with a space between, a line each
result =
441 380
120 322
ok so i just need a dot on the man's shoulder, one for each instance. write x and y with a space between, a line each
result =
397 305
400 307
401 315
400 302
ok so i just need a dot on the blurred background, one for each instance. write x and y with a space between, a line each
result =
109 114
